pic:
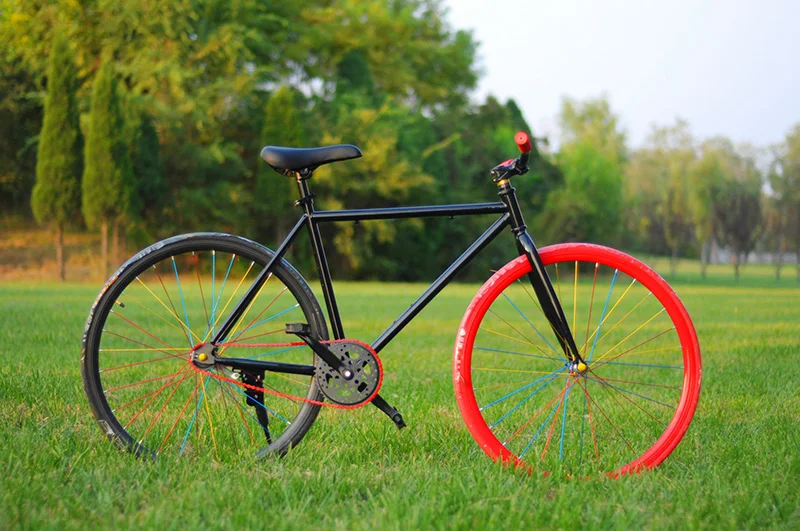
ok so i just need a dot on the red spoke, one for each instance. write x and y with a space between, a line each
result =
591 419
627 398
151 393
676 387
265 308
169 398
180 415
144 344
635 422
173 376
174 311
227 416
611 423
591 305
239 344
126 386
567 387
138 363
634 348
140 328
527 423
200 284
241 412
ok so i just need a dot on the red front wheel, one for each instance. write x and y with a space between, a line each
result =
624 410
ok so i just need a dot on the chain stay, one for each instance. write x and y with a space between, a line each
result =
286 395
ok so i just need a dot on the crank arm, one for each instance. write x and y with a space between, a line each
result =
303 331
261 366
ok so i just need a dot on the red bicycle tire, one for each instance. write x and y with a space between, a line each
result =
495 285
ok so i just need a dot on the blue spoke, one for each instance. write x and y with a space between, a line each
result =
225 389
536 435
183 301
213 289
603 315
564 422
264 321
583 420
526 386
276 352
640 365
551 378
534 328
259 403
516 353
194 416
631 392
221 290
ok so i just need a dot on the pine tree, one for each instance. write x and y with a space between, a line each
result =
108 183
56 196
274 193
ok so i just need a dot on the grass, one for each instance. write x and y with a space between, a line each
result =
737 466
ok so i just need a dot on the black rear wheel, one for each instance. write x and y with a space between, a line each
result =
146 394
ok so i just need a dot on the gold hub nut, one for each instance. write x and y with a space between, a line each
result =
202 356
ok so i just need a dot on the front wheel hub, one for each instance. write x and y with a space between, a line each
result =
578 368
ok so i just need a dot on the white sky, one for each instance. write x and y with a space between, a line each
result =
729 67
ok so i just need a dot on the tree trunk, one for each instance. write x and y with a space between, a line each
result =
779 261
115 244
704 252
736 266
60 251
673 262
797 265
104 247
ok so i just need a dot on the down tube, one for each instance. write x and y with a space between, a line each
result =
439 284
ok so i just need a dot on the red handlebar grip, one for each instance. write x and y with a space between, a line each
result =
523 142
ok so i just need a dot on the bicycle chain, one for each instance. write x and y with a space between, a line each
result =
286 395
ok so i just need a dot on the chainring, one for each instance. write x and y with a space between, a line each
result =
366 369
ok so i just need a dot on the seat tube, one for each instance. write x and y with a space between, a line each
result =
540 281
306 201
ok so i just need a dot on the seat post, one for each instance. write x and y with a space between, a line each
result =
306 197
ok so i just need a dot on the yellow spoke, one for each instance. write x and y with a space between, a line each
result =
510 370
298 382
508 337
241 319
141 349
624 317
168 310
128 296
609 313
575 301
211 426
229 300
631 334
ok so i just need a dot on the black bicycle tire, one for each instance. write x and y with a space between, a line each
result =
249 249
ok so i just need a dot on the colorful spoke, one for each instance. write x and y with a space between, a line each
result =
180 290
200 285
527 321
509 395
524 400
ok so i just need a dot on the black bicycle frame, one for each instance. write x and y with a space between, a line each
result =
510 215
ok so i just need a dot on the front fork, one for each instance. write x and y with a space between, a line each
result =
540 281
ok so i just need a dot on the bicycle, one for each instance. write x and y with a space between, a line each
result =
535 388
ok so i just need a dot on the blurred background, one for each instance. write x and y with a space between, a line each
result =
666 129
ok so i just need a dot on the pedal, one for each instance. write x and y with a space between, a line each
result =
391 412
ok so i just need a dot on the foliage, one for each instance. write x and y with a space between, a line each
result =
108 184
56 196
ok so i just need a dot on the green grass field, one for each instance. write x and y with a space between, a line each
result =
737 466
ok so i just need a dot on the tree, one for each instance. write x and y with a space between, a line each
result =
784 180
664 162
594 122
274 194
737 206
108 184
56 196
705 175
589 206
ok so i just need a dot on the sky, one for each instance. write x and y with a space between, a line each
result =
728 67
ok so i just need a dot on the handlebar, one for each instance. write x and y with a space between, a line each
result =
523 142
517 166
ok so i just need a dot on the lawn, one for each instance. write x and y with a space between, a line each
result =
737 466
